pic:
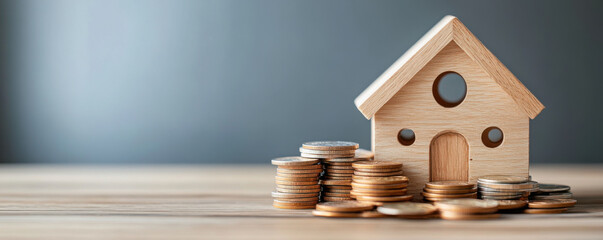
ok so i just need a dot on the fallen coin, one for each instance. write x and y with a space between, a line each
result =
511 204
468 205
407 208
457 216
544 210
553 203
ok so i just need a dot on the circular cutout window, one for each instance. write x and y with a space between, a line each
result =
449 89
406 137
492 137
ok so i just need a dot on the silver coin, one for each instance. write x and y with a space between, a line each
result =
549 188
287 161
330 145
323 156
502 179
486 189
487 193
566 195
327 152
508 186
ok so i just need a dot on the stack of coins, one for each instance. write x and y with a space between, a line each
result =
547 191
337 158
549 206
409 210
467 209
502 187
346 209
296 182
445 190
378 182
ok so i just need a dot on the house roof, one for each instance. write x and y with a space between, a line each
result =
447 30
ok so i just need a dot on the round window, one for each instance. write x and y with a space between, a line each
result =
492 137
449 89
406 137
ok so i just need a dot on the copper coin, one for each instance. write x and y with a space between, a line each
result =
336 214
337 187
294 161
502 179
553 203
344 206
467 205
376 174
379 170
330 164
379 186
368 190
310 179
511 204
330 145
372 214
450 191
544 210
297 175
288 203
336 194
309 200
384 199
458 216
445 199
336 182
288 190
327 152
293 195
407 208
449 185
292 207
459 195
376 164
315 166
330 171
315 186
349 175
380 180
347 160
292 183
378 194
336 199
501 197
339 167
296 171
337 178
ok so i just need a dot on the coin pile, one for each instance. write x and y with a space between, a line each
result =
346 209
503 187
549 206
467 209
409 210
296 182
378 182
547 191
445 190
337 158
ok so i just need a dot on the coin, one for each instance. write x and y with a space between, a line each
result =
544 210
376 164
502 197
348 187
288 190
372 214
450 191
502 179
482 189
380 180
336 194
296 171
379 194
323 156
449 185
384 199
380 170
315 166
330 171
378 174
468 205
548 188
294 183
310 179
407 208
286 161
511 204
308 199
297 175
327 152
566 195
336 182
339 167
344 206
430 199
486 193
336 199
347 160
457 216
288 203
336 214
293 195
460 195
329 164
553 203
292 207
315 186
369 190
330 145
379 186
346 191
527 185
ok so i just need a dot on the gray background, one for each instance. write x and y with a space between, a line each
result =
245 81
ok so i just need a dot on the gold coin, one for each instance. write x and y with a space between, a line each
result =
336 182
468 205
459 195
384 199
511 204
544 210
330 145
336 214
457 216
297 175
344 206
376 164
294 195
378 174
336 199
502 179
380 180
289 203
449 185
288 190
407 208
310 179
380 170
315 186
315 166
552 203
527 185
292 207
379 186
327 152
287 161
378 194
450 191
296 171
329 171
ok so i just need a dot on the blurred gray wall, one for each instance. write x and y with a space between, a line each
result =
243 81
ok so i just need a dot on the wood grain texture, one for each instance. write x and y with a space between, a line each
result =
448 30
485 105
449 158
233 202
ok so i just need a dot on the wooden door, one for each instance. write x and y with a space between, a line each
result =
449 158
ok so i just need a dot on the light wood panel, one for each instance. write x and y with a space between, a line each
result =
233 202
449 158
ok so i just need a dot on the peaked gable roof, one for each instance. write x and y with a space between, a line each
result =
412 61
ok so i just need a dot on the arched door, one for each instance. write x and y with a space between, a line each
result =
449 158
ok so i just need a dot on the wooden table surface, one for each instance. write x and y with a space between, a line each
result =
233 201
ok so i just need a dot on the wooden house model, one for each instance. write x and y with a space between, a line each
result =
451 140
